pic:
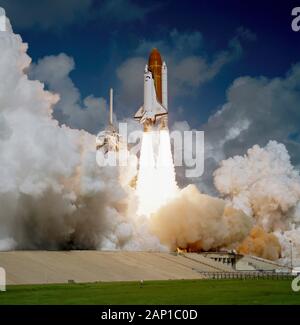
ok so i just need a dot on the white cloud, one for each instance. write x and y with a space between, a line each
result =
90 114
257 110
130 92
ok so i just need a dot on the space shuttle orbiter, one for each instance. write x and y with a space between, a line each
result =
155 108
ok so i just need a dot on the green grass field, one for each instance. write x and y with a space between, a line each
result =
156 292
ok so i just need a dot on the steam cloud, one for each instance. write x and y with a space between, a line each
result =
52 193
266 187
260 213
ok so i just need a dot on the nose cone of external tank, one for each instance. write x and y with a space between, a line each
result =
154 58
155 66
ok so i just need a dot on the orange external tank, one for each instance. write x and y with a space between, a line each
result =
155 66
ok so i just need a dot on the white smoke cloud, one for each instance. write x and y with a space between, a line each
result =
266 186
290 245
52 193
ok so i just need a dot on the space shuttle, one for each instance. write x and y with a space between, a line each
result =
154 112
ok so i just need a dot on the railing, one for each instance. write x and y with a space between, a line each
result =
247 275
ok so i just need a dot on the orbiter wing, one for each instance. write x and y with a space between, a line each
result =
139 114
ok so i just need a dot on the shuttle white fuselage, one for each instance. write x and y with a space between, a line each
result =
155 108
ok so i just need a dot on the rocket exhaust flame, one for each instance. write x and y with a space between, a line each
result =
146 176
165 169
156 183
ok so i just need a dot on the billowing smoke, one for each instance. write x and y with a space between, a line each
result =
260 213
197 222
266 187
52 193
262 244
290 245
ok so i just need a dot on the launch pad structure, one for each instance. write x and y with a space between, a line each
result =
41 267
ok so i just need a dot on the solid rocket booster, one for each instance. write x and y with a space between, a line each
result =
164 85
155 106
164 74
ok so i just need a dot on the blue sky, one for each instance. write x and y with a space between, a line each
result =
100 39
233 65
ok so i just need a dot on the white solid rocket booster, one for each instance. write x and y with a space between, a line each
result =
164 77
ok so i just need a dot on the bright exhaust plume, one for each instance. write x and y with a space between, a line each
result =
156 183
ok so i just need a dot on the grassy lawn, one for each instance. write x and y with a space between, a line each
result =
156 292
